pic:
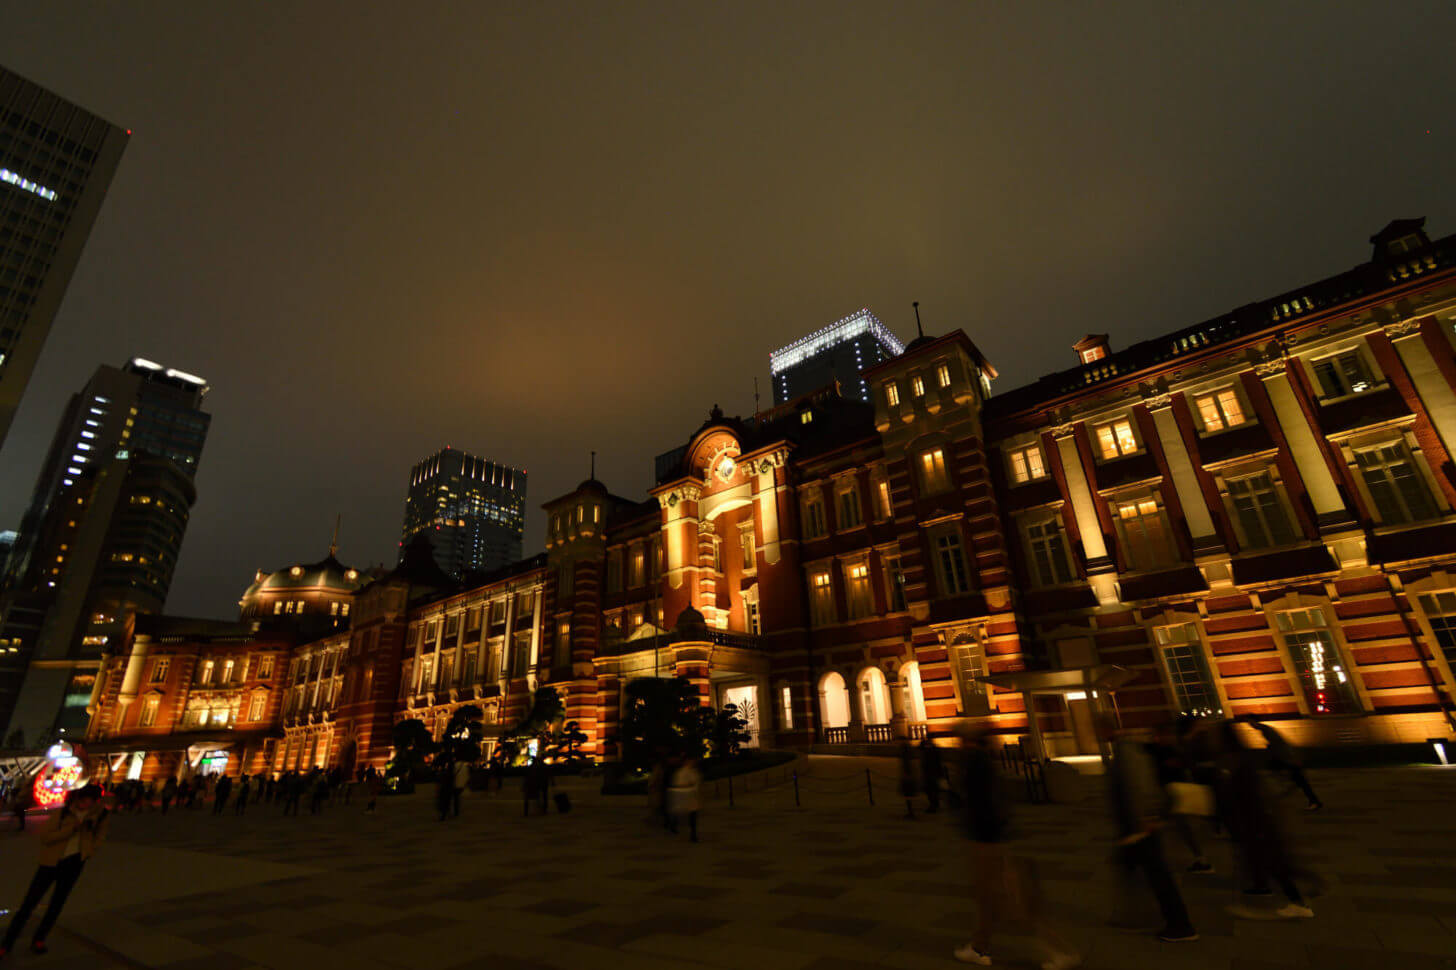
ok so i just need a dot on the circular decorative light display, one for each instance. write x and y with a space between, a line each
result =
61 774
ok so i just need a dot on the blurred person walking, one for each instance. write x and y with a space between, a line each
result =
1284 758
1006 887
683 796
909 778
932 772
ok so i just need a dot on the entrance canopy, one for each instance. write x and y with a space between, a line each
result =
1083 688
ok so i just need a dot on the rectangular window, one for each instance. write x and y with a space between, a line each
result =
755 619
1143 529
786 708
256 705
892 394
427 674
562 649
1220 410
1440 609
717 553
1343 374
1395 484
1259 512
884 508
813 518
452 627
942 374
160 666
969 660
1187 669
747 547
849 516
467 668
895 584
950 561
1026 464
1321 671
265 668
204 676
149 710
498 613
933 477
639 567
918 386
1116 439
614 571
1048 547
857 590
227 672
821 598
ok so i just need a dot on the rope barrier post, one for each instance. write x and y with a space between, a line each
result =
869 786
730 791
796 791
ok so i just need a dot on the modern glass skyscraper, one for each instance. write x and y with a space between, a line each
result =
838 352
102 534
56 163
472 509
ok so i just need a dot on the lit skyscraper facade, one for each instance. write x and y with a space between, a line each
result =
56 162
839 352
101 537
472 509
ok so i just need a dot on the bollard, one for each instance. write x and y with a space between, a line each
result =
869 786
730 791
796 791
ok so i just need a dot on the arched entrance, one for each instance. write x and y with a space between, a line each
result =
874 696
833 701
914 698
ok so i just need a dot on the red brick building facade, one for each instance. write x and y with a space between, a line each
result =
1254 515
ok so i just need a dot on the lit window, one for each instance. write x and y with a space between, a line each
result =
149 711
857 590
1259 512
884 508
1144 532
918 386
1026 464
205 677
1440 610
256 705
1395 484
1093 353
1343 374
1116 439
747 547
933 477
1183 659
1220 410
821 598
1048 552
159 670
227 672
786 708
942 374
755 621
894 583
265 669
20 182
806 416
892 394
1322 673
950 564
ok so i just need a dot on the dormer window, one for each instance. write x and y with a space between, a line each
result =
1343 374
1092 347
942 374
892 394
1116 439
806 416
1093 353
918 386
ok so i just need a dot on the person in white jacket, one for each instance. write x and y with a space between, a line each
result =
682 795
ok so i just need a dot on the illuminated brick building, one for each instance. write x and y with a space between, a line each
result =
1255 515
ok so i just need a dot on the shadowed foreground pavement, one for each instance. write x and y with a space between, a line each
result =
837 884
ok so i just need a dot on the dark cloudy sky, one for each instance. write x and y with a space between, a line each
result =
531 230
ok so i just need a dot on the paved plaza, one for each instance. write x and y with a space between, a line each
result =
837 884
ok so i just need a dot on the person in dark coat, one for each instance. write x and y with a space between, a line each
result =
1284 758
931 773
169 792
221 793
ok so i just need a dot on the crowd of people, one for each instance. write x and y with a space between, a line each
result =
1196 778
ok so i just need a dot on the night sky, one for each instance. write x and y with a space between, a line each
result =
531 230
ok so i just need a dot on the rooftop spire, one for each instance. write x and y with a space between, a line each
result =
334 542
593 474
918 330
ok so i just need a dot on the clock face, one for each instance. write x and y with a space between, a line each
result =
726 467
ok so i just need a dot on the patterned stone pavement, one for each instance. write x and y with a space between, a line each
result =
836 884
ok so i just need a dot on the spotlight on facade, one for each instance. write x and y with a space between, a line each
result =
1439 744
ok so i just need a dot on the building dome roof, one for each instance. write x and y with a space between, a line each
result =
690 619
327 574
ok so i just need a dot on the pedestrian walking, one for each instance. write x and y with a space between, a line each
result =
459 778
320 790
1005 885
931 772
1137 800
220 794
1284 758
240 801
909 778
444 788
373 783
683 797
67 841
1175 774
536 785
169 792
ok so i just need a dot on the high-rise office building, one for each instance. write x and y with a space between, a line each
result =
102 534
837 353
56 162
473 510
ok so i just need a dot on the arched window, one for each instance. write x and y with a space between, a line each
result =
914 697
834 699
874 696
